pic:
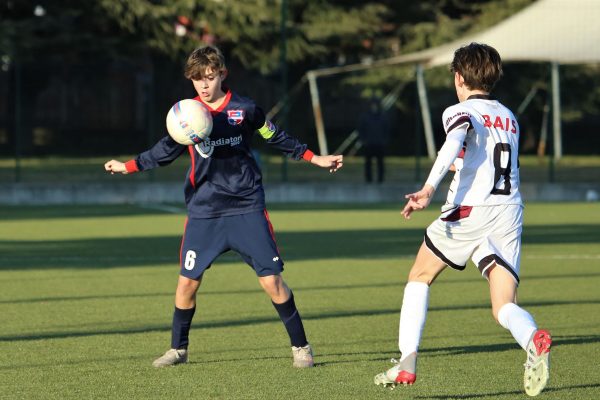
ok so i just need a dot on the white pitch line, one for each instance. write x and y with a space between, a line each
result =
564 256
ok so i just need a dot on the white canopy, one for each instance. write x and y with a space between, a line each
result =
563 31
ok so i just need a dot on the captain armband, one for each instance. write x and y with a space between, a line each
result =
267 130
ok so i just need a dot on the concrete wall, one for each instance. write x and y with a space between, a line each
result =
143 193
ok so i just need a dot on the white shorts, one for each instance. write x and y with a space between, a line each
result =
486 234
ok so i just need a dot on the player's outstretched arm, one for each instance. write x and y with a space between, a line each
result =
115 167
418 201
333 162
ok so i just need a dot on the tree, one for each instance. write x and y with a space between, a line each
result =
317 30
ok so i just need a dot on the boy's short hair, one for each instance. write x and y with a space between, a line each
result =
479 64
203 58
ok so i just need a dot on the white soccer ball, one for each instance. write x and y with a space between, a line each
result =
189 122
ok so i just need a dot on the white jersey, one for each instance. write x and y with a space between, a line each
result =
487 168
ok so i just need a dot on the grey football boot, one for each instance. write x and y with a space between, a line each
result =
171 357
303 357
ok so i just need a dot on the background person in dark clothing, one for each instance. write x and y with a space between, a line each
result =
373 133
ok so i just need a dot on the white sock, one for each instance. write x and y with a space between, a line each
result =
412 317
518 321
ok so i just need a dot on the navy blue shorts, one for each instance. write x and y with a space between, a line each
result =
250 235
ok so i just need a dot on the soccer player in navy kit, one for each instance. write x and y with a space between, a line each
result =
482 218
226 201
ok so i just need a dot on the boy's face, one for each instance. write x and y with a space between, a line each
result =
209 86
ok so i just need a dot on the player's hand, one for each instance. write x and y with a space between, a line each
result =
333 162
115 167
418 201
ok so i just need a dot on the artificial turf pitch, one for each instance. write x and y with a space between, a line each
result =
87 296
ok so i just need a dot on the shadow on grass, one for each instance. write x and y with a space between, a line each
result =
201 324
144 361
230 354
490 348
563 234
297 289
201 293
8 213
361 244
133 251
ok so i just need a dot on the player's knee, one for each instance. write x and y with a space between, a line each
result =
275 287
187 287
420 276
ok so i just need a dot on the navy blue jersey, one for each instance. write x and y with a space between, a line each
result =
224 178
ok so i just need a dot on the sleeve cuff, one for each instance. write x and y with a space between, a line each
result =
131 166
308 155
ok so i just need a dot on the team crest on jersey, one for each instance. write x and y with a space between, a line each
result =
235 117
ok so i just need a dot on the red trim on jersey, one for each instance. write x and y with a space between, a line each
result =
271 229
131 167
193 169
458 214
308 155
183 237
224 104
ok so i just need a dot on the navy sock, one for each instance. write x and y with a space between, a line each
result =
182 321
293 323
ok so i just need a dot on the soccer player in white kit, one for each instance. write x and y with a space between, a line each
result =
482 218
